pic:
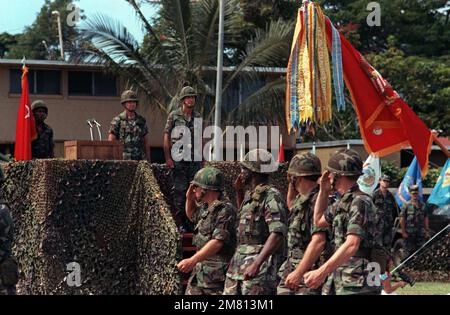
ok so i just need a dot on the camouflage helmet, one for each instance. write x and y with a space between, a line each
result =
258 161
128 96
187 91
414 189
305 165
39 104
345 162
386 178
209 178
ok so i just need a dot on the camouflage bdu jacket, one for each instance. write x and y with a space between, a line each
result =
262 212
42 147
414 219
386 211
131 132
353 213
300 231
214 223
176 119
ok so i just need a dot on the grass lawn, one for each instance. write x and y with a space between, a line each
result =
426 288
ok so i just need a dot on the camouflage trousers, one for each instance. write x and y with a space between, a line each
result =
413 242
182 174
256 286
192 289
288 266
328 287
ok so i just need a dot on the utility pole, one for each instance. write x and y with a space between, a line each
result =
218 108
58 16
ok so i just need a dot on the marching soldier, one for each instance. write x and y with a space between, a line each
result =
386 212
303 173
8 266
131 129
43 146
352 218
214 233
261 230
183 170
414 221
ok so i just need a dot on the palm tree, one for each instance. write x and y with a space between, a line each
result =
181 46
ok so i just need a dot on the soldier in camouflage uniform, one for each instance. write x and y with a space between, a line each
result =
414 221
261 230
386 212
8 265
303 173
214 233
131 129
352 219
43 146
184 169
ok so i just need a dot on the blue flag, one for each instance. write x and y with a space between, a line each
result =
412 177
441 192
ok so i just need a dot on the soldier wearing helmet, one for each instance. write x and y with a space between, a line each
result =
131 129
261 229
414 220
8 265
352 219
214 233
43 146
179 125
303 173
386 212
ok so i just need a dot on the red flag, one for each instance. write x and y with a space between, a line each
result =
281 151
25 125
386 122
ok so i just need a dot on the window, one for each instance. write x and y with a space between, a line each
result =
91 84
39 81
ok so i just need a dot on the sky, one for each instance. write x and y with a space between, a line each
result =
16 14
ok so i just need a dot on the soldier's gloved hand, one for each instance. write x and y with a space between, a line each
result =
314 279
190 193
293 280
252 271
169 163
186 265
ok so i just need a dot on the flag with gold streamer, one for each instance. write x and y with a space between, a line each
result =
308 95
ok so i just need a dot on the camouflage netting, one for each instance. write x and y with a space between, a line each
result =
109 217
434 263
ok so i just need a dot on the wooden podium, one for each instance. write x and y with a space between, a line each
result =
93 150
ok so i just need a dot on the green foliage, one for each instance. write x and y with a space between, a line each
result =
397 174
45 28
6 41
423 83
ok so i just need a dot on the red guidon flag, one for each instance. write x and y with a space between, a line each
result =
25 125
386 122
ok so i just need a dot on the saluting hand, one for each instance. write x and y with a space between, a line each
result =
239 183
324 181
